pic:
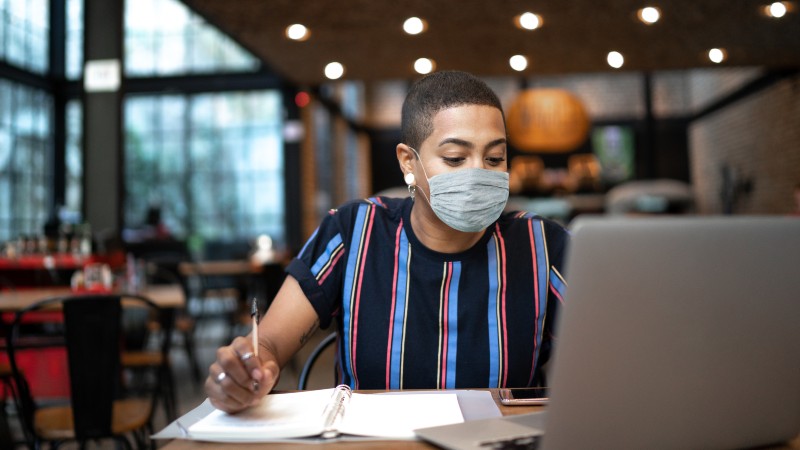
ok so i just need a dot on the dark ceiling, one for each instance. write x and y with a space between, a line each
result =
366 36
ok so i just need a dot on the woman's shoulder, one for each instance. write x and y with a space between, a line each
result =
384 206
517 218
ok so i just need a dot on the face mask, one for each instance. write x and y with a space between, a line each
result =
468 199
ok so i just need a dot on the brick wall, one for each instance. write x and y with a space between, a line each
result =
758 140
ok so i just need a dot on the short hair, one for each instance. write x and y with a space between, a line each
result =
438 91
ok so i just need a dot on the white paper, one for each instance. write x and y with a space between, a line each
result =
300 414
397 416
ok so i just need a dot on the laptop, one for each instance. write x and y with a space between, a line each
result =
677 333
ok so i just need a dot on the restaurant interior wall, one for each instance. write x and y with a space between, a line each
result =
765 146
617 99
335 152
756 141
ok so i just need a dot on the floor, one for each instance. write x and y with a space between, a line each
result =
211 333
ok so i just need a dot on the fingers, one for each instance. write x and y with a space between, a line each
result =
224 393
238 379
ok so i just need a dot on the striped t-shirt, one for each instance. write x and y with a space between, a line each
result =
412 318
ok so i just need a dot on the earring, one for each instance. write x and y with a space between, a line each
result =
411 182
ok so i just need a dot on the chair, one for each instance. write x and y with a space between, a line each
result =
141 360
138 359
162 259
214 295
91 333
312 360
7 390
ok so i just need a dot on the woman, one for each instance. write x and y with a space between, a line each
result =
439 290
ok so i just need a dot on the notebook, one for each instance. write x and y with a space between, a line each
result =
677 333
328 414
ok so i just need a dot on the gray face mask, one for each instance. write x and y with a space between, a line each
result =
468 199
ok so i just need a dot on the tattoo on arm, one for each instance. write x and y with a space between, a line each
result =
307 335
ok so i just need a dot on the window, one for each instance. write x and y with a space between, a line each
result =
73 197
25 151
212 162
24 28
163 37
74 41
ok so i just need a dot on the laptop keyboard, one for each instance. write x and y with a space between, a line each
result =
513 443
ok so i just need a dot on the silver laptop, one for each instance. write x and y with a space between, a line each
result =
677 333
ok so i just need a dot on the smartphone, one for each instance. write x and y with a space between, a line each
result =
523 396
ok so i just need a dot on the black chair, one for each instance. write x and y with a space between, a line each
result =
7 391
220 295
162 259
92 335
142 361
312 360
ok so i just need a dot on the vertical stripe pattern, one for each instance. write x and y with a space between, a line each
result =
448 325
395 346
541 267
496 321
352 285
356 271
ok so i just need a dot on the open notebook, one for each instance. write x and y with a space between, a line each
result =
286 417
328 413
679 332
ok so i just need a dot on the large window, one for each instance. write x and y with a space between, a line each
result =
163 37
25 149
213 163
25 120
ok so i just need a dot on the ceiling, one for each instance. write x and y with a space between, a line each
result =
479 36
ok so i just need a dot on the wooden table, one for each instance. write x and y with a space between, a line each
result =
234 267
165 296
242 278
181 444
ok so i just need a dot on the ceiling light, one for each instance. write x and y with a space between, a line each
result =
615 59
649 15
297 32
334 70
414 25
528 21
717 55
776 10
424 66
518 63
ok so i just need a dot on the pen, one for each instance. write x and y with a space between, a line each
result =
254 315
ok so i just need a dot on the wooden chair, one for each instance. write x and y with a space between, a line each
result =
91 334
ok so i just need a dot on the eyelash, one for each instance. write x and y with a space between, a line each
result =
457 161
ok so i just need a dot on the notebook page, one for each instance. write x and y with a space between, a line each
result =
277 416
398 415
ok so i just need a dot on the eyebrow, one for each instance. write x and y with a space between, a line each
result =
468 144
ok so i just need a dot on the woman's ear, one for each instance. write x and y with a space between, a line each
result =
405 157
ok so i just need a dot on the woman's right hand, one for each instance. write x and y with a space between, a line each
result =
238 379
